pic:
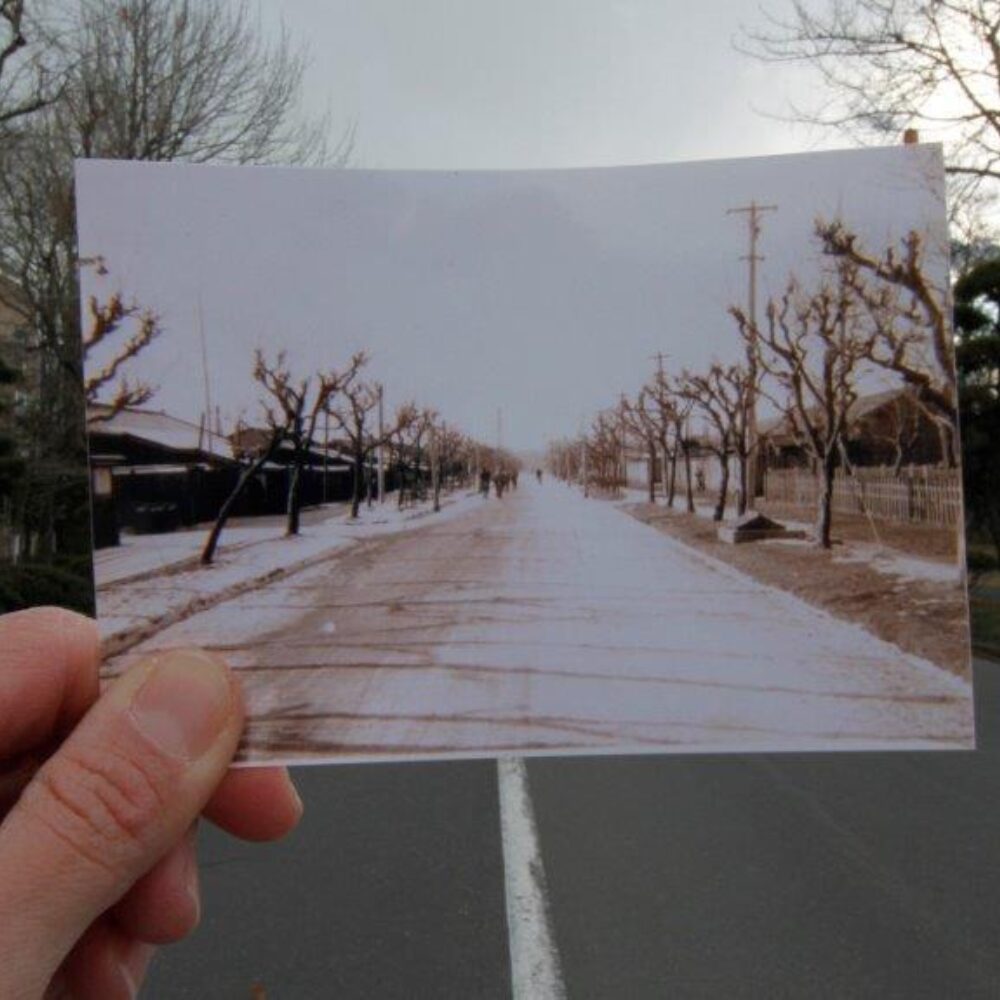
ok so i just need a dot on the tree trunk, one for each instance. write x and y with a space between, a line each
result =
946 435
687 475
720 503
208 552
294 494
672 490
742 495
359 458
652 471
824 503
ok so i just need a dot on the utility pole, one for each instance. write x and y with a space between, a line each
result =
435 467
623 407
204 369
326 450
381 448
753 212
661 388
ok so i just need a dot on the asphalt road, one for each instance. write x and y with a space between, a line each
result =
547 621
858 875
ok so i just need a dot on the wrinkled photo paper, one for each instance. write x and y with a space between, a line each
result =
643 459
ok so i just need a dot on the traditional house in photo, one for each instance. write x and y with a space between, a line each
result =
897 471
326 476
160 472
887 429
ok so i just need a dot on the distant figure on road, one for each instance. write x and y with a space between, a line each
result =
513 479
501 481
484 482
538 475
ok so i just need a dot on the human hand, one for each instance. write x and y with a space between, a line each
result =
98 801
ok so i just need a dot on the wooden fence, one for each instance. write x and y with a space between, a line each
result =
919 494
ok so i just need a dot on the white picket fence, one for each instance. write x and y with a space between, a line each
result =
920 494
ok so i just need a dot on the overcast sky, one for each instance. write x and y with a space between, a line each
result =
544 83
542 292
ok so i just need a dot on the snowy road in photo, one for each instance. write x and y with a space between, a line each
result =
545 622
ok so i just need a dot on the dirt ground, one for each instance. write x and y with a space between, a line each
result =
928 619
927 542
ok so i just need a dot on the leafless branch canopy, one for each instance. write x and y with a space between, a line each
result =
888 65
26 82
184 79
105 320
908 312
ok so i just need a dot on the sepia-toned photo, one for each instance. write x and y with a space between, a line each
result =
622 460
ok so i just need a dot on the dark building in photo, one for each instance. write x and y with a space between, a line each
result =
152 472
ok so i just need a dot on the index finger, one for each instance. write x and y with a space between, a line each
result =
49 660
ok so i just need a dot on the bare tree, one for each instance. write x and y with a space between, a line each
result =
27 83
640 421
409 438
294 408
722 395
669 410
151 79
447 444
910 315
888 65
254 459
812 348
604 450
359 400
105 320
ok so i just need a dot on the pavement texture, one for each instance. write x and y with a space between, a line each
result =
858 875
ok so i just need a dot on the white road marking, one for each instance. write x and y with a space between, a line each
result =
535 972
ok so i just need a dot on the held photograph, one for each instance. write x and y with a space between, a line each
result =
638 459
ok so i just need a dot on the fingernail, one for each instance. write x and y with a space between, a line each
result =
300 808
183 704
192 883
133 967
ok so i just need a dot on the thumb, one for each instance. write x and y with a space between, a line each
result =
118 794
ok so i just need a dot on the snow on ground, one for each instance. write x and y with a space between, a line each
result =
247 552
898 564
138 555
881 558
550 623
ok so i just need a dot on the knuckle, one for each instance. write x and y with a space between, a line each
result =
103 803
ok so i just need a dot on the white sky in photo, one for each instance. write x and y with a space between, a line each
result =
544 293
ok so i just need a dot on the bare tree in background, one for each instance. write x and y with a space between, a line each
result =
190 80
409 438
294 407
811 347
358 402
912 321
604 450
671 409
721 394
640 421
186 80
888 65
449 443
27 83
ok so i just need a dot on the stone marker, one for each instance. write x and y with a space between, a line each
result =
754 527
